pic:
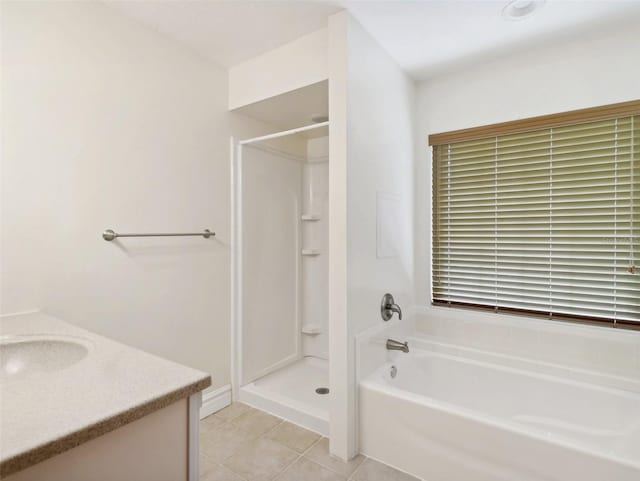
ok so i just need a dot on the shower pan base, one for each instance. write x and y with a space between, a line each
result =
290 393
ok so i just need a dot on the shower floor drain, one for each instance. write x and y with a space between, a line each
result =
322 390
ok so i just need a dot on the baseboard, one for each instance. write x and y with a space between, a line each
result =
213 401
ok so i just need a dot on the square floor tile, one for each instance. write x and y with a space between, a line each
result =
320 454
292 436
219 473
220 442
256 422
371 470
305 470
209 423
260 459
212 471
206 464
232 411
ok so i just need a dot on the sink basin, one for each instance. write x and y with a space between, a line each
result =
24 356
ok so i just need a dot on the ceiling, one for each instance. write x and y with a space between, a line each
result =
424 36
230 31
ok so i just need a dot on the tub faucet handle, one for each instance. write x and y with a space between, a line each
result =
388 306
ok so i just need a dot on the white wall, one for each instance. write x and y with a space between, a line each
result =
341 362
107 124
375 155
315 235
294 65
271 261
597 68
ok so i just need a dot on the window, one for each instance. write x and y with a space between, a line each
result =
541 216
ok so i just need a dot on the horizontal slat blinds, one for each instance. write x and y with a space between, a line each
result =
544 221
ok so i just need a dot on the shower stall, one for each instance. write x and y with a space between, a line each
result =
280 271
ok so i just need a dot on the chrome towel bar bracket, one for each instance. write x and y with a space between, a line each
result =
110 235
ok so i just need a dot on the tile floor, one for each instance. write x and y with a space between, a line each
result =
240 443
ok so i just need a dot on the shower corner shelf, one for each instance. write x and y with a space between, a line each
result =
310 252
311 330
310 217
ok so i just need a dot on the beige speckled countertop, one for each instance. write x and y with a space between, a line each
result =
46 414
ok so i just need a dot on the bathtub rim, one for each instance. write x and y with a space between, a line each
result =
375 382
423 343
537 374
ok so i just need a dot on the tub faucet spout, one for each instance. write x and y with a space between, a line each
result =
393 345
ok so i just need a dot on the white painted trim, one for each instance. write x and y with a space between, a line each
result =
236 269
274 151
284 133
238 376
213 401
419 295
194 407
236 222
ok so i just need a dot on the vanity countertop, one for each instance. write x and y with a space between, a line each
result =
46 413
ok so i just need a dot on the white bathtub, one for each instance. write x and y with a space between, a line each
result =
451 418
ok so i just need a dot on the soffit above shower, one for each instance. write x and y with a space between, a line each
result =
292 109
300 63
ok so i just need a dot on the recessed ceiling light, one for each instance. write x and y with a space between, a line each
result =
521 9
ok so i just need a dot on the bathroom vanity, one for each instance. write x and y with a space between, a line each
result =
78 406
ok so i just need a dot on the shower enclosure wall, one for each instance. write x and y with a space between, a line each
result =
281 270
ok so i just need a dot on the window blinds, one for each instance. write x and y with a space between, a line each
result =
544 221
